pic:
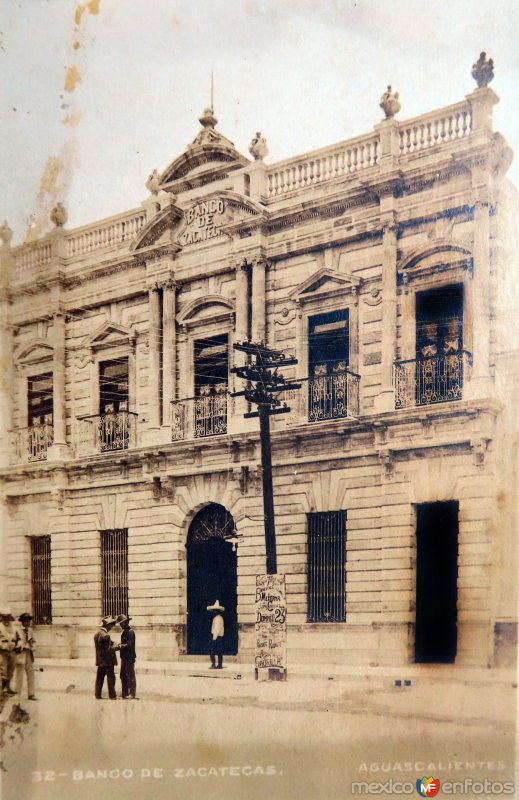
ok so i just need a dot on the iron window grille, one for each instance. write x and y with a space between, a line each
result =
114 560
327 566
41 580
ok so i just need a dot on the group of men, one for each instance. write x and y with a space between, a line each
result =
106 652
16 653
106 658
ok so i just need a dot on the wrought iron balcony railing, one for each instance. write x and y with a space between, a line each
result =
333 396
323 398
199 417
435 379
31 444
104 433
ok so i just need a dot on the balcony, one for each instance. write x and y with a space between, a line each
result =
106 433
323 398
200 417
31 444
426 381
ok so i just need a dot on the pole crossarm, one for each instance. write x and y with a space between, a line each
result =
264 384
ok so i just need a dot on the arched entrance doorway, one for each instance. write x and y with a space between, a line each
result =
211 575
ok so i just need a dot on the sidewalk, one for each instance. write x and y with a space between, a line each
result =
445 693
381 675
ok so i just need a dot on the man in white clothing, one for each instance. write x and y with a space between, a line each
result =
217 634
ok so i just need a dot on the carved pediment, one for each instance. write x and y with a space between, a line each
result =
37 351
161 230
210 156
110 334
323 283
434 256
209 308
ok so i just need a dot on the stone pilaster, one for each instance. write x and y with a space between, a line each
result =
385 401
242 332
155 334
389 144
186 388
482 102
169 348
6 351
4 527
59 449
480 384
259 269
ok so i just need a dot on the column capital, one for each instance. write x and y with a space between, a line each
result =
240 264
260 261
389 224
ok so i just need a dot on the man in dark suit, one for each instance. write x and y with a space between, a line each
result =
106 658
128 656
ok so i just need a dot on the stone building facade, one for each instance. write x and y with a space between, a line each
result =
131 480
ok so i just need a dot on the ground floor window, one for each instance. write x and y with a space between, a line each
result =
41 580
114 564
326 566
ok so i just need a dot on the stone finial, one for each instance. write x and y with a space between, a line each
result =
208 119
389 103
59 215
6 234
258 147
208 135
153 182
483 70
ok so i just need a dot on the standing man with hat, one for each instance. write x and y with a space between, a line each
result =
25 658
217 634
128 656
106 658
9 644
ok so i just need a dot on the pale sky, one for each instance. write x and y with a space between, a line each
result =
96 95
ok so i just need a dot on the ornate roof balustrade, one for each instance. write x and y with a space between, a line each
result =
438 127
364 155
106 233
352 156
28 257
101 236
323 165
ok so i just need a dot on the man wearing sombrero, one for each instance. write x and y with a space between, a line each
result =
217 634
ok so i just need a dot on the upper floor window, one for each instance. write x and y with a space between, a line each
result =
439 322
328 361
40 399
211 367
437 373
40 409
115 420
113 386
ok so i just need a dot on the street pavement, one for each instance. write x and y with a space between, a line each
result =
231 737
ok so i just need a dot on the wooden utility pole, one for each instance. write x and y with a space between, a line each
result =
264 384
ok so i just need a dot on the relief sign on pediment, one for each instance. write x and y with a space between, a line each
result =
204 220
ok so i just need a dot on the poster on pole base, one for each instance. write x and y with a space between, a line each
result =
271 628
